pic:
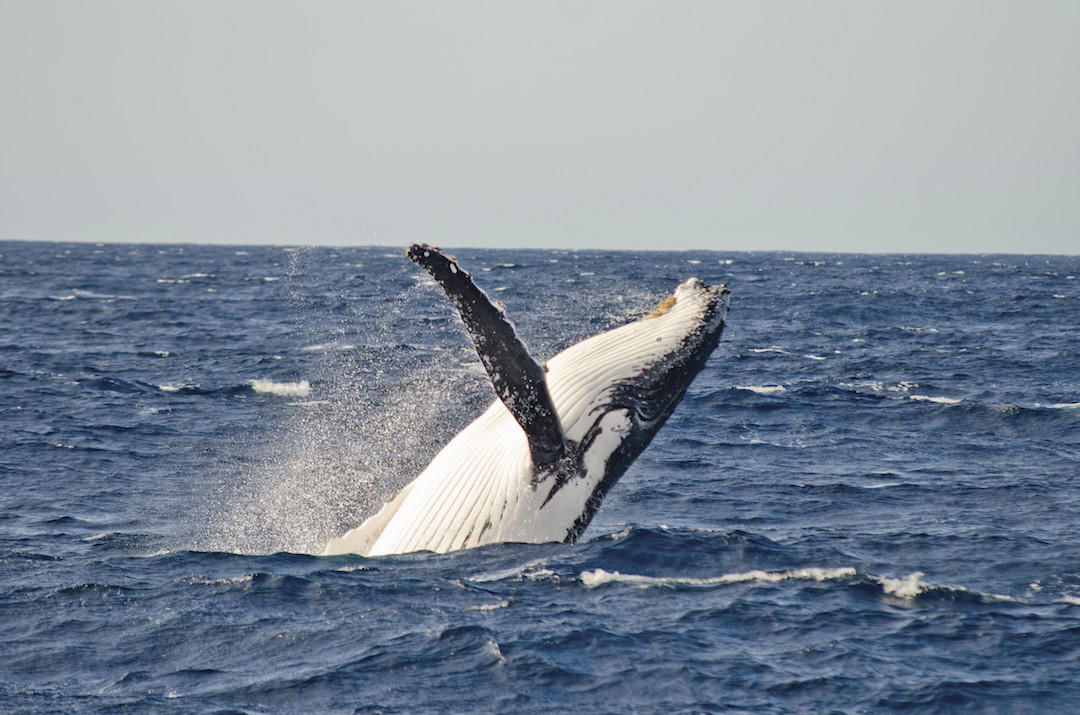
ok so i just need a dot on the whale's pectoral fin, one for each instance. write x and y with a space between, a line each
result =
517 378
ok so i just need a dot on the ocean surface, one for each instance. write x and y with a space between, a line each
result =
869 500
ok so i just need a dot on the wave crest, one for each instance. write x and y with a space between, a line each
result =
282 389
599 577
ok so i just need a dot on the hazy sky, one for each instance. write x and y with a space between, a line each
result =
818 126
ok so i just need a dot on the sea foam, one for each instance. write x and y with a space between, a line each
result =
761 389
599 577
282 389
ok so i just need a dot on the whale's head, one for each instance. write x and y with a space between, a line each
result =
615 390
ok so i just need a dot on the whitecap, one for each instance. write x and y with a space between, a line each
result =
155 554
599 577
908 587
874 385
540 575
282 389
101 296
351 568
494 649
482 607
761 389
223 581
527 570
938 400
911 586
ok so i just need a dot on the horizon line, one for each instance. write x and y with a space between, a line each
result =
451 247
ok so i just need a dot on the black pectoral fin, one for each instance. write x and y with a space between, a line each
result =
518 379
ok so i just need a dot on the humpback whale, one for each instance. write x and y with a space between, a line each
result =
536 464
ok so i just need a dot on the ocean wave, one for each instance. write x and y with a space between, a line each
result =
326 347
225 581
878 386
789 572
484 607
1059 406
298 389
281 389
532 570
91 295
600 577
907 588
761 389
935 399
913 586
115 384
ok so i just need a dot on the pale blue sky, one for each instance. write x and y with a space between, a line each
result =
815 126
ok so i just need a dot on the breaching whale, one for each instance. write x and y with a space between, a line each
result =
536 464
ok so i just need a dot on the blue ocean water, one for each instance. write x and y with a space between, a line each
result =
867 502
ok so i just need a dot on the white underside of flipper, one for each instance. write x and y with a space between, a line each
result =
480 487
